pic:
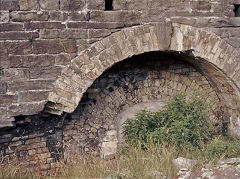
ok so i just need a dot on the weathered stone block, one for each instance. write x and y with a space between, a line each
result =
68 95
49 5
14 74
28 5
14 87
98 33
72 5
95 25
235 42
18 48
82 45
200 5
26 108
9 5
58 16
115 16
50 73
154 3
64 34
11 27
130 5
96 5
18 35
164 31
29 96
79 16
3 88
11 62
63 59
6 99
54 46
38 61
29 16
43 25
4 16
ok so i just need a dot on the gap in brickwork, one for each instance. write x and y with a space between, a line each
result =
108 5
237 10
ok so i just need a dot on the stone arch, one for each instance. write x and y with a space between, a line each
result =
145 81
204 48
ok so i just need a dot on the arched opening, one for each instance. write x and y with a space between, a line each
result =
146 81
203 51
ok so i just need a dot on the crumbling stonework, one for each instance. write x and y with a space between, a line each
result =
55 52
95 126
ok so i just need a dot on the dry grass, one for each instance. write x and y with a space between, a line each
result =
155 161
14 171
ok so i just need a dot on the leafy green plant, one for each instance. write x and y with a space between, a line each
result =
182 123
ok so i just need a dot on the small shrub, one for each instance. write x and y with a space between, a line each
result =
182 123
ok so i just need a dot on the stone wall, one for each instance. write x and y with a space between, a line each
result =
55 52
95 126
39 37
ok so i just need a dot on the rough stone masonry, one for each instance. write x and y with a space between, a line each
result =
73 70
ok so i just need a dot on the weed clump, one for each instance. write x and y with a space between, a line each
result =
183 123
